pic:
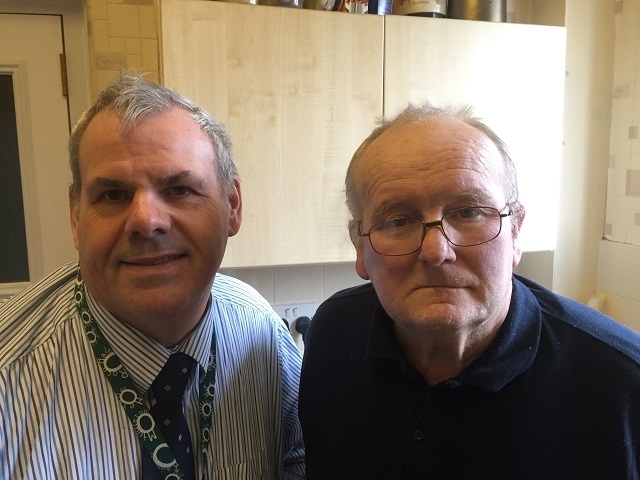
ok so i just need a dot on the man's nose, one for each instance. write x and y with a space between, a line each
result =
435 248
148 215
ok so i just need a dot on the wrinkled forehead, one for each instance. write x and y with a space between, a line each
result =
436 144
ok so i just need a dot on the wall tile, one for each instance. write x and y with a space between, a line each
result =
624 54
148 27
633 238
117 45
124 21
96 9
620 162
99 36
103 77
633 183
621 264
116 27
618 202
617 181
338 277
624 75
624 310
259 278
617 215
620 125
149 51
132 45
621 93
297 284
633 203
134 62
620 147
618 233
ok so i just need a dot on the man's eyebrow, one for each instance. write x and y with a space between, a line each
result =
169 180
473 196
109 182
477 196
178 178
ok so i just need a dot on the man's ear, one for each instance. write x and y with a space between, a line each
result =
358 243
516 225
73 216
235 207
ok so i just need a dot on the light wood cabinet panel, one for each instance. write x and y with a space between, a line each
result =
298 90
514 77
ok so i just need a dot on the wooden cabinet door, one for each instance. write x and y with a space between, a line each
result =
514 77
299 90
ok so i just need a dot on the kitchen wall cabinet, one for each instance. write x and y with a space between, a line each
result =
300 89
512 74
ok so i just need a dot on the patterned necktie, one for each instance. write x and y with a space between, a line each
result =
167 410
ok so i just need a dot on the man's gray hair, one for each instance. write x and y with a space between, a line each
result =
132 98
416 113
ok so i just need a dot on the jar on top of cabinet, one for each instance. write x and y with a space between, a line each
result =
421 8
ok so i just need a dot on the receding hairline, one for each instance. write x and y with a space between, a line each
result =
421 114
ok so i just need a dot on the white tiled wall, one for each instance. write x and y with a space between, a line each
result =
623 186
123 34
618 280
619 259
298 284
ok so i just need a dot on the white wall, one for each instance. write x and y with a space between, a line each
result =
618 280
76 48
298 284
590 45
619 263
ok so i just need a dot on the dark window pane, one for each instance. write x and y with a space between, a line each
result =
14 264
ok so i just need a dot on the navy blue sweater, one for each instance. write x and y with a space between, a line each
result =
555 396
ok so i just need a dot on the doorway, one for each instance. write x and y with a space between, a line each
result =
30 65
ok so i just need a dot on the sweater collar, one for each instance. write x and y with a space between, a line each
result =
510 354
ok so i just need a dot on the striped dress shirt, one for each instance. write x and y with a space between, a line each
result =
60 418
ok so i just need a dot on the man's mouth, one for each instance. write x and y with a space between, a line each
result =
154 261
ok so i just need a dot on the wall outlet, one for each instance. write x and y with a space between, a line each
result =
291 312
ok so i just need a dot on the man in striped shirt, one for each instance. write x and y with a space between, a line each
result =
154 198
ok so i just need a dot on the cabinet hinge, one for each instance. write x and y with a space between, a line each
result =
63 74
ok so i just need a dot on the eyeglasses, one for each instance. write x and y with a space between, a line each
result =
463 227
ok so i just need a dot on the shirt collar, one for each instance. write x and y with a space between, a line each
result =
142 356
510 354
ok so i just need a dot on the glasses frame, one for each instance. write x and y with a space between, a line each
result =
436 223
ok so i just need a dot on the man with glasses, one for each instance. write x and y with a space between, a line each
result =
447 365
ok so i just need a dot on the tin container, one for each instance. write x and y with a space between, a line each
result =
283 3
486 10
422 8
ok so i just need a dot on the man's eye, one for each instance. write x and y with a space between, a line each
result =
395 223
179 191
113 195
469 212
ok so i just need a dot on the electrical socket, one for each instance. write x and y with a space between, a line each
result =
292 311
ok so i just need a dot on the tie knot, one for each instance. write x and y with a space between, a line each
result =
172 379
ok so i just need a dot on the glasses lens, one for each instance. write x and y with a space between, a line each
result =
466 227
398 236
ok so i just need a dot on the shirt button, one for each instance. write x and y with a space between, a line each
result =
418 435
425 395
